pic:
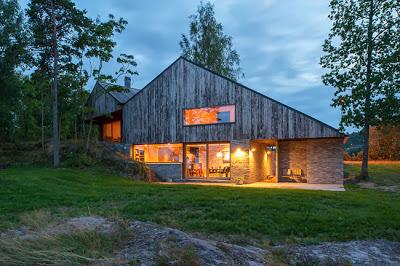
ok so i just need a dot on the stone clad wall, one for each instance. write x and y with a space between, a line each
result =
325 161
292 154
240 162
166 171
320 159
260 163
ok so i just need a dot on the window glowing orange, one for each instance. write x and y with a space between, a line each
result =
112 131
209 115
158 153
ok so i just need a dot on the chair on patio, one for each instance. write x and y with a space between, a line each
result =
298 175
286 175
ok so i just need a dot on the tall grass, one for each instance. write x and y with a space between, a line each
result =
74 247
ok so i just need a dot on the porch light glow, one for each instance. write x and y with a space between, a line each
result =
239 153
253 149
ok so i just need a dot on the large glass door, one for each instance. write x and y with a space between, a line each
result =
196 161
207 160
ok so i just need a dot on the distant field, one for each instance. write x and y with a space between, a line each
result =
382 173
271 215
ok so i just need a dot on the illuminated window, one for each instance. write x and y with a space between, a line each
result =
209 115
112 131
158 153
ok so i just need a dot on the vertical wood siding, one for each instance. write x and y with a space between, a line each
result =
102 101
154 115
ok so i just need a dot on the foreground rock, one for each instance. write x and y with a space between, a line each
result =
379 252
83 223
154 245
149 244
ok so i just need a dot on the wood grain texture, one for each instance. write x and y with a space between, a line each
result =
154 115
102 101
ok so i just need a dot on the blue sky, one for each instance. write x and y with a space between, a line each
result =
279 43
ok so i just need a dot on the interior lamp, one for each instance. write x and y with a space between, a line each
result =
239 153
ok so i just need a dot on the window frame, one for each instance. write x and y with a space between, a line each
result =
208 124
177 143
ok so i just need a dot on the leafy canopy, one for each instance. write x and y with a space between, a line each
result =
208 45
364 96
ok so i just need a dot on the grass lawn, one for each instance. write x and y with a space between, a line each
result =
381 173
272 215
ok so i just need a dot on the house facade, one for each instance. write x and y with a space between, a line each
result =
191 123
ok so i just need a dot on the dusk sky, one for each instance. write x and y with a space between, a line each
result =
279 43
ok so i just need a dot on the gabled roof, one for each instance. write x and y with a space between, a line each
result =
123 96
239 84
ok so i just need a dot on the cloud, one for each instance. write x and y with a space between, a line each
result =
279 43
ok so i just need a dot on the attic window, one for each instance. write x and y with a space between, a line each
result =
209 115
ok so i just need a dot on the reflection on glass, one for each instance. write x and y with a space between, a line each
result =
196 160
219 160
209 115
158 153
112 131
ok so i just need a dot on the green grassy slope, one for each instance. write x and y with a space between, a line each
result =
271 214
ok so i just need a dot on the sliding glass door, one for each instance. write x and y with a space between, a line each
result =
207 160
196 160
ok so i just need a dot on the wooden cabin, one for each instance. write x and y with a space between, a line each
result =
191 123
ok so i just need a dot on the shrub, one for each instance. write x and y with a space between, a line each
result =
79 160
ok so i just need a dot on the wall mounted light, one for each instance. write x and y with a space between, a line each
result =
253 149
239 153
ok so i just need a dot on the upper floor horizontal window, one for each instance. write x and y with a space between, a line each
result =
209 115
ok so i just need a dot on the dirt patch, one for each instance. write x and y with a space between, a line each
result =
372 185
367 185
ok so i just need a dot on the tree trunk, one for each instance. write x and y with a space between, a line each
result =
89 133
54 91
76 128
367 111
364 165
42 119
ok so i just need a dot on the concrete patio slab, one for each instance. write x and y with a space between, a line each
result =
304 186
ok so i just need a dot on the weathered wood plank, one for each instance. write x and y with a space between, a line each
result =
154 115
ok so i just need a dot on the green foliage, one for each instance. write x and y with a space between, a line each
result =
208 45
13 54
84 46
362 56
273 215
78 160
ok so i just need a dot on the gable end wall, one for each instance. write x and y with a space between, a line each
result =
154 115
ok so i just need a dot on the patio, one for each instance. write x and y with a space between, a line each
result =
282 185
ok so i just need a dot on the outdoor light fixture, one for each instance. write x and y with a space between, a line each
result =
253 149
239 153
